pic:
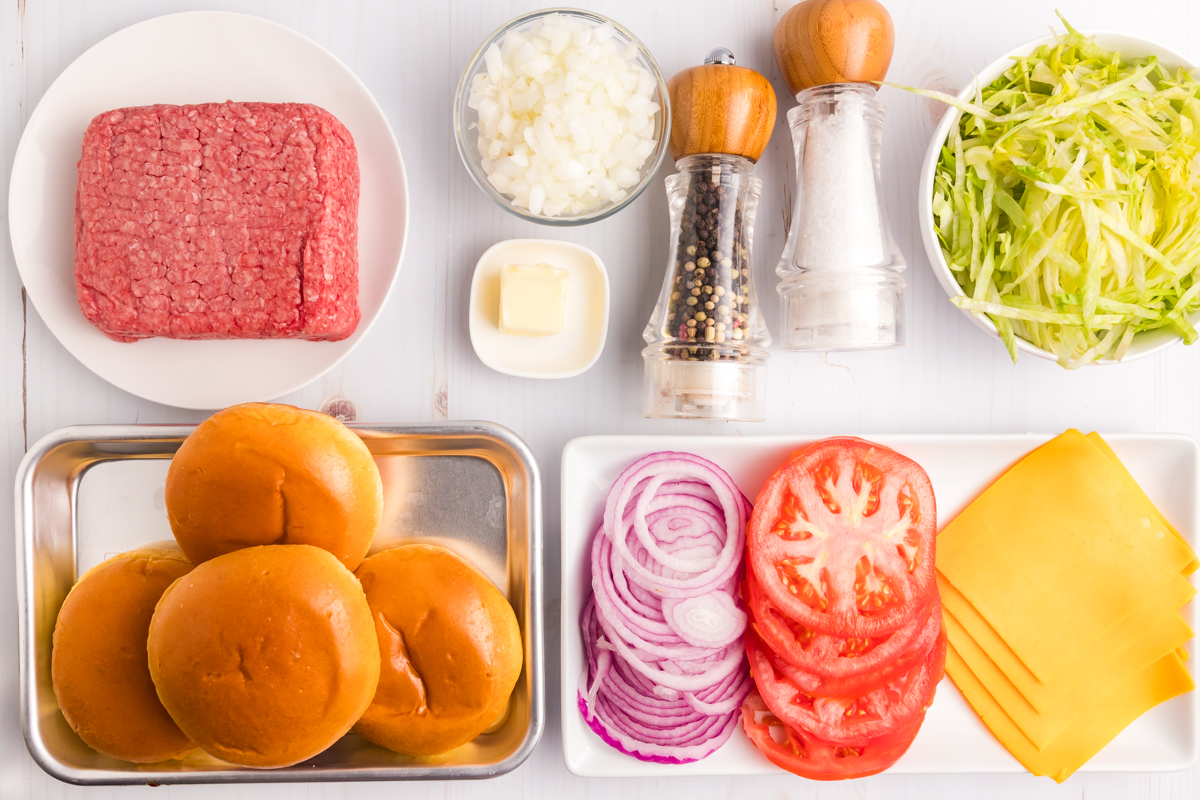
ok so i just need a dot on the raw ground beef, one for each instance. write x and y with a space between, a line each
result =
218 221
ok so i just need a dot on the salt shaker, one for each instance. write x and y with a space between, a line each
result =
842 286
706 355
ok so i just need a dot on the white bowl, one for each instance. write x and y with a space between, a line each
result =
565 354
1143 344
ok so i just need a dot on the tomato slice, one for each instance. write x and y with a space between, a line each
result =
841 539
853 720
826 665
807 756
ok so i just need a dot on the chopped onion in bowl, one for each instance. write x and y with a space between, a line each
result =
566 116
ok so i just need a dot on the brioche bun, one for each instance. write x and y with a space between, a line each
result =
450 645
265 656
98 662
261 473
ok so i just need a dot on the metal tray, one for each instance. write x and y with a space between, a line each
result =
88 492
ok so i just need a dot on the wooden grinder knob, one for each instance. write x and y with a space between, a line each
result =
720 108
834 41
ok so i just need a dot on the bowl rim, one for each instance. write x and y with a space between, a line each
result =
649 170
933 250
473 300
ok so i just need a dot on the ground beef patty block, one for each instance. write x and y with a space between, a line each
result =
218 221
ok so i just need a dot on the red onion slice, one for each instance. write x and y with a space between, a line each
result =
731 501
710 620
623 709
657 578
666 666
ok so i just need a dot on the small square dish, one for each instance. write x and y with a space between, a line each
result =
565 354
952 739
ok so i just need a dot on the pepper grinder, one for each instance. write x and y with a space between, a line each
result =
706 355
842 286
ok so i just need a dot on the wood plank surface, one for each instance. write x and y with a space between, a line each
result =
417 362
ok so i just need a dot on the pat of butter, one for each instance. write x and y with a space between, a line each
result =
533 299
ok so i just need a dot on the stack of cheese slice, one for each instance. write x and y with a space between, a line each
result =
1061 586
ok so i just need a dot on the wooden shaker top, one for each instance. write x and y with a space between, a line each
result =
818 42
720 108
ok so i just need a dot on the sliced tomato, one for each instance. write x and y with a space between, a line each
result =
826 665
841 539
809 757
853 719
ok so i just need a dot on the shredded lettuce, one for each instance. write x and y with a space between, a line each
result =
1067 200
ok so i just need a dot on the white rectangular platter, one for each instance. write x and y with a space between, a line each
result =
952 739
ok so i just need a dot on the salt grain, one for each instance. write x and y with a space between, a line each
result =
839 210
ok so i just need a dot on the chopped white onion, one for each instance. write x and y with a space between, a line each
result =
565 116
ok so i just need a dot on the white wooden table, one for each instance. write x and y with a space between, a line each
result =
417 363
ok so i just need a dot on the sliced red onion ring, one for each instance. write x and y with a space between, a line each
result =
661 578
710 620
623 709
666 665
638 486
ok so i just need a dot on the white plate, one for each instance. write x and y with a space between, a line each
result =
568 353
952 739
197 57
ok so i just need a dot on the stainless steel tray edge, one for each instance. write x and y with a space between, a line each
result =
23 505
533 630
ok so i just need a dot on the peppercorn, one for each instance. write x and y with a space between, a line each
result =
711 278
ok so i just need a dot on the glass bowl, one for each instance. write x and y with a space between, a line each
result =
465 119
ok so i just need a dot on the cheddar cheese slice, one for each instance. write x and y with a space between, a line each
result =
1072 702
1047 697
1090 732
1058 551
1133 486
